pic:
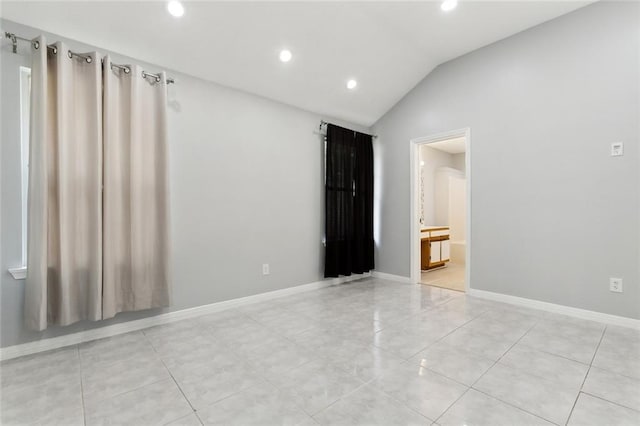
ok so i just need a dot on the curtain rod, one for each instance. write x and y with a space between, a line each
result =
322 123
14 42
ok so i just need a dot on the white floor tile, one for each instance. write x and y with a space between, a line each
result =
276 360
190 420
158 403
121 376
259 405
619 352
102 352
33 369
366 363
592 411
54 402
405 344
569 341
478 409
210 356
62 365
613 387
369 406
563 371
424 391
453 362
205 386
482 344
505 327
316 385
534 394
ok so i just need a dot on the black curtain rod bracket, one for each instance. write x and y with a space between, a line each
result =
322 123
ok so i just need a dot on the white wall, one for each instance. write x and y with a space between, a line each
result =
459 161
246 188
433 160
548 201
443 179
458 208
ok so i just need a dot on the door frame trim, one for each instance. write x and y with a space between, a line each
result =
414 167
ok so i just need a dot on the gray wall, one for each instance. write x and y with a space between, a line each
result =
246 189
553 215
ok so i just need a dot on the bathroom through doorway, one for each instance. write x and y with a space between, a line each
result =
441 206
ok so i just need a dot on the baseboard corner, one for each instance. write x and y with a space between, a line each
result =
391 277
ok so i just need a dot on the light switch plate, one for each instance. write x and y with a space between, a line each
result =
615 285
617 149
265 269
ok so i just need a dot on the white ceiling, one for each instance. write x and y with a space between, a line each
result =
452 146
387 46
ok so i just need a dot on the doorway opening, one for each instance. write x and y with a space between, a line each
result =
440 220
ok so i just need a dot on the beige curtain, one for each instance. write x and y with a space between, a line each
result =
64 250
98 190
136 244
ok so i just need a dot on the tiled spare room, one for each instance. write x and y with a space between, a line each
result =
310 212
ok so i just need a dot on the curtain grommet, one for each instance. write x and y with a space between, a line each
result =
88 59
36 45
69 54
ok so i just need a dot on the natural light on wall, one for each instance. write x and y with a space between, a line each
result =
448 5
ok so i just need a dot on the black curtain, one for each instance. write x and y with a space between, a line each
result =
348 202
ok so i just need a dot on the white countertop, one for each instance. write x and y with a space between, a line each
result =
432 227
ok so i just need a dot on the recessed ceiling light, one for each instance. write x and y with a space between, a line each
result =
175 8
351 84
285 55
448 5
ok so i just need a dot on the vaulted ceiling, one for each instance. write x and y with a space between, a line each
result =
387 46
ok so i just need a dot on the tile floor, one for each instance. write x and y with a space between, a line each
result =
452 276
368 352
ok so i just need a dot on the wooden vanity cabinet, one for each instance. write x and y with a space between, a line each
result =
434 247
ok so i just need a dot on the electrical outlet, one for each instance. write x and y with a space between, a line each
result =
617 149
265 269
615 285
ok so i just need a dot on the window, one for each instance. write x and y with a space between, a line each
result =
25 109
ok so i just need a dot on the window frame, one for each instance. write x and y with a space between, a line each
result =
25 111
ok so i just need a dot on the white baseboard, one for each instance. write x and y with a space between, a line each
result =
112 330
558 309
385 276
169 317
